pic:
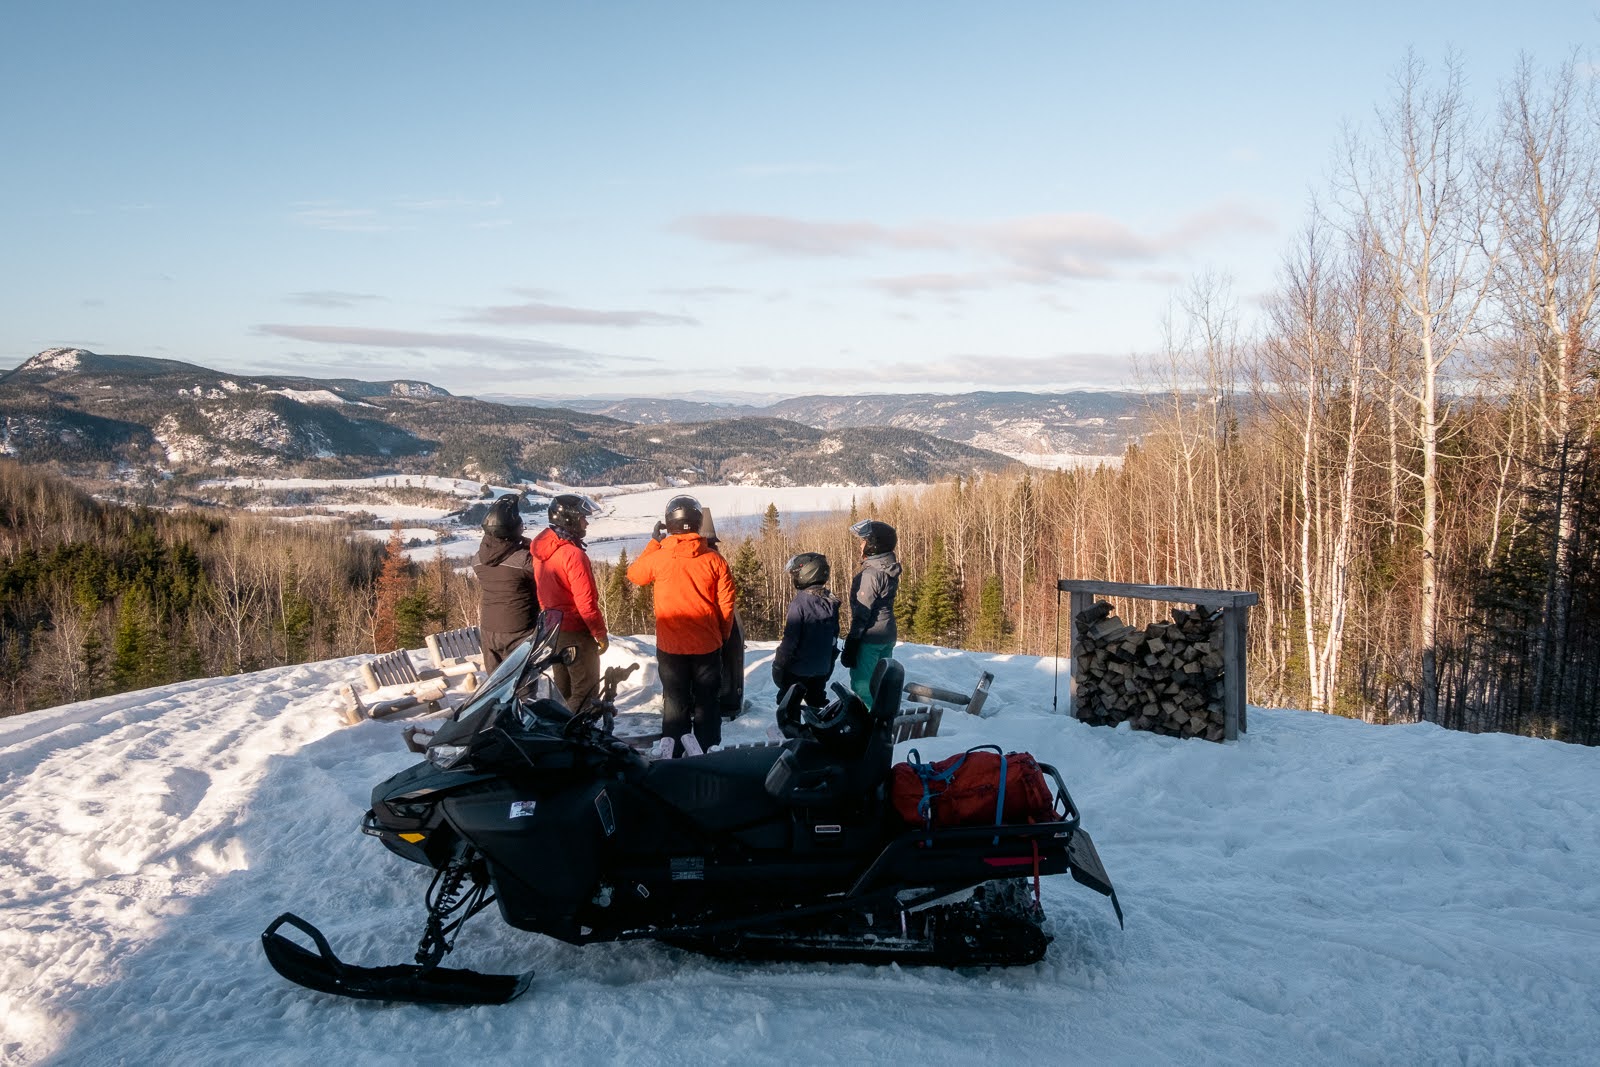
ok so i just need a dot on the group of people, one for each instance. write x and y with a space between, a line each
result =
698 641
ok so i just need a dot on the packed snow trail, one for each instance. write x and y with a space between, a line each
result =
1322 891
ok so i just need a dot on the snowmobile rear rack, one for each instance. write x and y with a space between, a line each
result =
325 972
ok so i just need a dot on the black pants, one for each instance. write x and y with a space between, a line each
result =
689 686
814 686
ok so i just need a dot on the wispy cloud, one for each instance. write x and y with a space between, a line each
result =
330 298
1035 249
942 285
340 219
397 213
699 291
775 234
1063 371
526 354
538 313
447 203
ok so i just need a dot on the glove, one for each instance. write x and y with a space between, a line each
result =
777 678
602 643
660 532
852 648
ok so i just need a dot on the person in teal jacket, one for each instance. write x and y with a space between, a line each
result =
872 592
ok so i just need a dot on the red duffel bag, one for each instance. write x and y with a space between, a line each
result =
966 789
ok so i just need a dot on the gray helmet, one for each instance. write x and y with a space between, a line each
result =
504 518
808 569
570 512
879 536
684 515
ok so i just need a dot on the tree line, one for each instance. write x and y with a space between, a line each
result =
99 598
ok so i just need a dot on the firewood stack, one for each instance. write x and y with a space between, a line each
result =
1166 677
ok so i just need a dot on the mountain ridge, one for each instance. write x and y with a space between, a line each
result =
82 409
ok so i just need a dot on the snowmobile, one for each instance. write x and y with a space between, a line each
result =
788 851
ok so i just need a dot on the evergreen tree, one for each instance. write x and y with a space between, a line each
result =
770 524
855 514
905 606
937 615
618 596
750 583
416 613
988 633
132 643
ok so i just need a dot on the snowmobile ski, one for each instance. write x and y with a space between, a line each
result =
325 972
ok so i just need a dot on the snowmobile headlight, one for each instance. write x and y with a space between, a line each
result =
446 756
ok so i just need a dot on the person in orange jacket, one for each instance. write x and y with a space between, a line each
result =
565 580
694 615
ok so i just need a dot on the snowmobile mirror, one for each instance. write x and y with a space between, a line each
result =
569 655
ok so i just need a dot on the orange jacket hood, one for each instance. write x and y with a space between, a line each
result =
694 594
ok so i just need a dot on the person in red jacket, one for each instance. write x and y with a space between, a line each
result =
694 616
565 579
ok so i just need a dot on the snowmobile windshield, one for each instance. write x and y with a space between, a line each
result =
500 693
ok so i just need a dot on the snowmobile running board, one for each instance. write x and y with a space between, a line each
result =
413 983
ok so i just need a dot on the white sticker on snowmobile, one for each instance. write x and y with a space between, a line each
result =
602 805
687 868
519 808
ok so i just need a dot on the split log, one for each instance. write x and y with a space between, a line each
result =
1166 678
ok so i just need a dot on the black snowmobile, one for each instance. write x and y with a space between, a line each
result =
790 852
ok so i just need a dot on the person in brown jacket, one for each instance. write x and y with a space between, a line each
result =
508 603
694 616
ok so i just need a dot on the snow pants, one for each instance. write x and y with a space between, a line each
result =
867 658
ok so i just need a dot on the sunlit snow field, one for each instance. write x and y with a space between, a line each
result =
1321 891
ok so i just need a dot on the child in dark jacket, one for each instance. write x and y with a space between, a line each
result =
806 655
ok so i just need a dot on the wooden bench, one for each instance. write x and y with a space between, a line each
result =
921 717
391 668
453 648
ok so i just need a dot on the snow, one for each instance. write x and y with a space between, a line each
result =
1321 892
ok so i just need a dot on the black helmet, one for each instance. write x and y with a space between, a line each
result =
879 536
504 518
570 512
808 568
683 515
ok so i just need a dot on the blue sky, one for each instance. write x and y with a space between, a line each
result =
655 198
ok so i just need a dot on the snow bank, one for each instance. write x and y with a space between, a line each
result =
1322 891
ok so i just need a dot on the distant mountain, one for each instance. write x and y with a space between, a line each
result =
1022 424
79 408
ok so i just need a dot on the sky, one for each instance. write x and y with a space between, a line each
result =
1321 891
716 199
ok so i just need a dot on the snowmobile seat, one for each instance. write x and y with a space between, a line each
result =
721 790
813 773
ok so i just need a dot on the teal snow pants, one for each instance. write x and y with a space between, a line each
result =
861 674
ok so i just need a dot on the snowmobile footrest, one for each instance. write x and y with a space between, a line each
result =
1084 860
325 972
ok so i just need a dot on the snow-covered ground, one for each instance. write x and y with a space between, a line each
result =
1320 892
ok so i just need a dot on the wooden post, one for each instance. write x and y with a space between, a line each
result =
1232 673
1078 601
